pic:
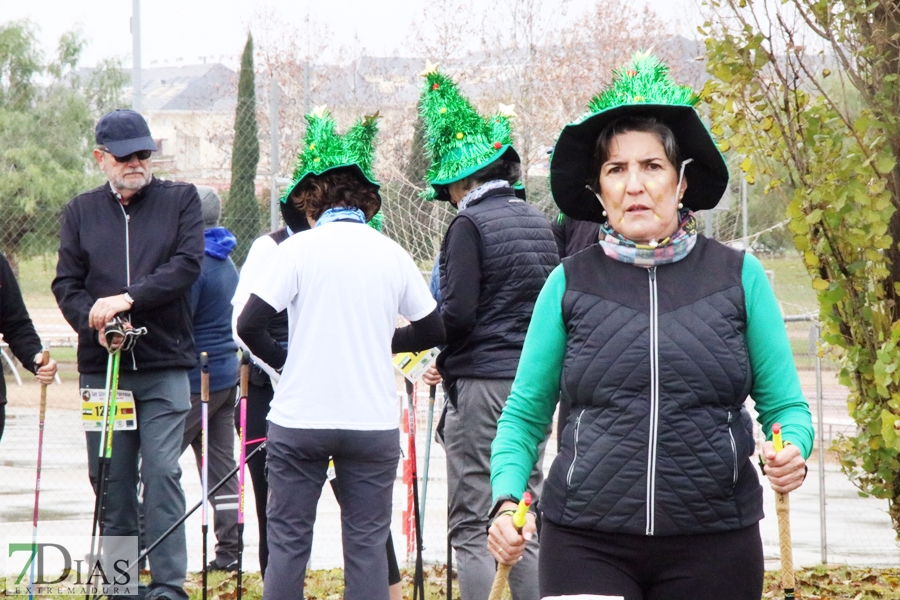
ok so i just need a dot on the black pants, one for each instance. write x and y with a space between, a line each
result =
638 567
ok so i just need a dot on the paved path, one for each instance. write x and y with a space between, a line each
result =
859 531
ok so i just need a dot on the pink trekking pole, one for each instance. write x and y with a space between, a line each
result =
245 381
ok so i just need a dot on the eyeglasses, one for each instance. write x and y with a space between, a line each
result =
141 155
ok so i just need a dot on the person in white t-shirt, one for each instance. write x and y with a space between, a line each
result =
343 285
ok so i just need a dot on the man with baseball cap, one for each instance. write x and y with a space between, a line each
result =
132 248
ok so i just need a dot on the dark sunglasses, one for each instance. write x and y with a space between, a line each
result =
141 155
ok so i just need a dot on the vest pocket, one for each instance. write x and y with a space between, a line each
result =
734 453
574 449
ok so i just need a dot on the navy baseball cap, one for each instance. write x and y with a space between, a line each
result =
123 132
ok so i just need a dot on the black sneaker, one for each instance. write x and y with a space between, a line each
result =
215 565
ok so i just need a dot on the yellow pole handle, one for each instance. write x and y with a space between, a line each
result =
502 575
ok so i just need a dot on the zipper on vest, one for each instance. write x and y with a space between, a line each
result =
734 477
575 457
654 404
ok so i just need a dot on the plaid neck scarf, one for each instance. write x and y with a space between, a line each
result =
670 250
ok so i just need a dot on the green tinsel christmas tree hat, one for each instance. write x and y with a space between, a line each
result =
643 88
458 140
323 149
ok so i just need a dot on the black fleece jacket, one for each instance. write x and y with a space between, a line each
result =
152 248
15 324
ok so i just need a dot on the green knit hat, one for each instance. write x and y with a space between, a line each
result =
324 149
459 141
642 88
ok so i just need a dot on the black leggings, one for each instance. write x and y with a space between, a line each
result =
259 397
638 567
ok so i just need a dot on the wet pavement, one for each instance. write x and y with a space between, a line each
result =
858 529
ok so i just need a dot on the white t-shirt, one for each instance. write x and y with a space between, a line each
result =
343 285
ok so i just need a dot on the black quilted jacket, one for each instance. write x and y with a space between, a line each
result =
656 372
516 253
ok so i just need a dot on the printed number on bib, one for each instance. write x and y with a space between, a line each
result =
413 365
93 403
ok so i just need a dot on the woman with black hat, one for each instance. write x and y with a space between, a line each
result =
653 338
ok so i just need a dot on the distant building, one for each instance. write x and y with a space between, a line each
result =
190 110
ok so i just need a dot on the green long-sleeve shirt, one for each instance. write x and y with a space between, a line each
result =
535 392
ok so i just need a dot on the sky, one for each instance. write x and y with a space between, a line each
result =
175 32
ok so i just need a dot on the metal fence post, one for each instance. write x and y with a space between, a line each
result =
273 154
820 418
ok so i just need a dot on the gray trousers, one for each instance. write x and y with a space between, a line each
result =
469 429
220 441
365 463
162 399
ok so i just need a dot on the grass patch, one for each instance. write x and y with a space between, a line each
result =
818 583
815 583
35 276
326 584
792 284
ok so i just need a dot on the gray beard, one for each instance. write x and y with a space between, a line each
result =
130 184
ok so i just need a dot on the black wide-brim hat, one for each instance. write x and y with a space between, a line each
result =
571 164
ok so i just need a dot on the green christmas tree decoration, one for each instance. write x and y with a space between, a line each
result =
377 222
323 149
642 89
458 140
645 80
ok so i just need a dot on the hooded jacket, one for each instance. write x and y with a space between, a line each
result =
211 298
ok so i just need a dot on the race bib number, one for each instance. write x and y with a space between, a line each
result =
93 403
413 365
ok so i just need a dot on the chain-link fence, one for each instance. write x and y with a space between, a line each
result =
191 112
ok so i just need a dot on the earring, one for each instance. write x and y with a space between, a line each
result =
604 214
680 205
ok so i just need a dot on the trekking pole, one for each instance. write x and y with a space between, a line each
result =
783 511
502 575
432 393
245 382
104 456
119 336
204 456
194 508
37 484
449 563
419 576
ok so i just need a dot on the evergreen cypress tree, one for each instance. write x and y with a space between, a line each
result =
242 213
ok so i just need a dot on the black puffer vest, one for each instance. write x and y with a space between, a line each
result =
656 371
518 252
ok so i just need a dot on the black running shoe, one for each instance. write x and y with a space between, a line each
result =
215 565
